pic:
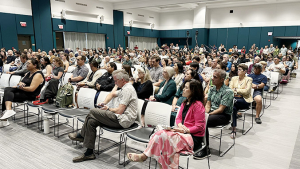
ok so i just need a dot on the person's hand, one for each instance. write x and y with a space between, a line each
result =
254 86
173 107
184 128
151 98
21 85
80 84
180 130
69 80
105 107
9 72
98 86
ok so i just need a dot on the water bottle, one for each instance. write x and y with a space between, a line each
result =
46 126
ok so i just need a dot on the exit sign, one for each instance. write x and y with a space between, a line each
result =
23 24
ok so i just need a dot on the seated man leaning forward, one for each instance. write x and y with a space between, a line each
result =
121 115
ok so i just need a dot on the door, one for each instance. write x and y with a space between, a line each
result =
59 41
24 42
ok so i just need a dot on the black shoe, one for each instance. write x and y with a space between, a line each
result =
84 158
202 154
76 137
258 121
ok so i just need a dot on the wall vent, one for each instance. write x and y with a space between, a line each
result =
140 15
99 7
151 17
81 4
60 0
129 13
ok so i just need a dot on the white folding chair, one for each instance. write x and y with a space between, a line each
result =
6 68
119 66
14 80
244 111
103 71
102 96
140 103
86 98
66 78
71 69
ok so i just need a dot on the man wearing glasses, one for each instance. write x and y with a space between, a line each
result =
80 71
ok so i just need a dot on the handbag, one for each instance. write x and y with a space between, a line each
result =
48 78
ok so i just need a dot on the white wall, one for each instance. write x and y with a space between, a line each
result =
134 16
255 16
22 7
176 20
107 12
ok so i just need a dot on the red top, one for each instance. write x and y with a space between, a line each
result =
136 47
194 119
188 62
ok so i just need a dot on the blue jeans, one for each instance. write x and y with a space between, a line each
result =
96 98
239 104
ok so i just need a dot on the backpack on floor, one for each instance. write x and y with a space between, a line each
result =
64 97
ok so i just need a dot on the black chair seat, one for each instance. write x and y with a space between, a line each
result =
114 130
141 135
51 108
70 113
81 118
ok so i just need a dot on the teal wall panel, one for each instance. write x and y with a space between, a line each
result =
109 36
291 31
279 31
264 38
56 22
82 27
101 28
118 28
181 33
213 36
222 37
298 31
163 33
8 31
243 37
1 44
92 27
254 36
168 34
175 33
232 37
146 33
71 26
28 30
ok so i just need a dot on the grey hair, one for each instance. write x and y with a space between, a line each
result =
121 74
222 73
170 71
258 66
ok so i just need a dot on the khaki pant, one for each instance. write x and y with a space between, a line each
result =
96 118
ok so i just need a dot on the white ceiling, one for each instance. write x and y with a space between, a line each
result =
184 5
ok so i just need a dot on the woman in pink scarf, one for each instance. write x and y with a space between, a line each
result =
165 146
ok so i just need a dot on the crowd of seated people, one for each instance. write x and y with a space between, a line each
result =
206 80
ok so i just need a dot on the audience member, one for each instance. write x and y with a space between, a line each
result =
251 69
219 107
156 71
121 115
46 67
259 81
29 87
65 59
167 88
277 67
22 69
267 73
10 57
241 86
179 74
80 71
191 129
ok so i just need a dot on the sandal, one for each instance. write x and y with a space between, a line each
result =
233 135
134 157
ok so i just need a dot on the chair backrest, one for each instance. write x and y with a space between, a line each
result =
66 78
140 103
274 78
157 113
119 66
14 80
6 68
86 98
71 69
102 96
103 71
206 119
177 116
4 82
74 94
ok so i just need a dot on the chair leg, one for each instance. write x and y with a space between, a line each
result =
245 132
220 143
99 141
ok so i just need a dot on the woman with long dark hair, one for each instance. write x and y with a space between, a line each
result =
188 136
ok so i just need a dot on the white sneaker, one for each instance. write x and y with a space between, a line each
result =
7 114
4 123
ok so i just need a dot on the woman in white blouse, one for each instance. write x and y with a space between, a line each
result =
179 75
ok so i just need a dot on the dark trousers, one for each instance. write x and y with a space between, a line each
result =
216 120
239 104
96 98
15 95
95 118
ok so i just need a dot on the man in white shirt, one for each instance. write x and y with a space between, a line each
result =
277 67
266 50
163 55
283 50
271 49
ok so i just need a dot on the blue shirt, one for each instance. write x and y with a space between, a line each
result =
258 79
228 66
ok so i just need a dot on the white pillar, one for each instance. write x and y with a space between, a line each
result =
200 18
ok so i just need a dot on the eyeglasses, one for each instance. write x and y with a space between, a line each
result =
240 70
78 59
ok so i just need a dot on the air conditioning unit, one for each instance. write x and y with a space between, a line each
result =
63 14
131 23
